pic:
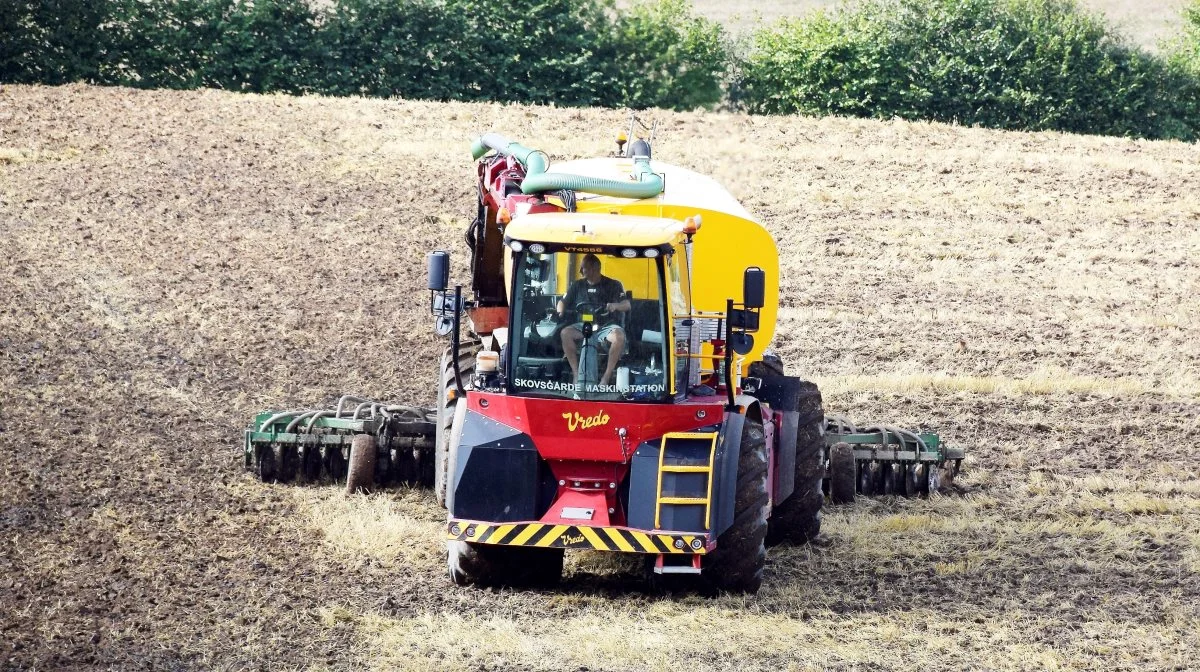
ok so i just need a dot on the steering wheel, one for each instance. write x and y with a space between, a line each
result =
589 307
592 308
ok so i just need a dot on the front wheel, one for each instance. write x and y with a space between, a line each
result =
737 563
447 402
491 565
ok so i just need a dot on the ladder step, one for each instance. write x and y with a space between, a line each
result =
687 469
702 501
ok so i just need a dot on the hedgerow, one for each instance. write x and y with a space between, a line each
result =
1013 64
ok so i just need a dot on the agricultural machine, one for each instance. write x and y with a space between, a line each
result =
605 389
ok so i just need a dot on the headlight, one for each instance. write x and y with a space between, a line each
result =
536 248
516 245
650 252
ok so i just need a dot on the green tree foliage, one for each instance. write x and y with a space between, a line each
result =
541 51
1017 64
406 49
667 56
1185 52
51 41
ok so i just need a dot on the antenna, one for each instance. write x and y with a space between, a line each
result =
636 129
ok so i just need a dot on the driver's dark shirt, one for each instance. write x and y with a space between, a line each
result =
599 294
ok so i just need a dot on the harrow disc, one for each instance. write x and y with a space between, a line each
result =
265 464
933 480
334 462
891 484
911 488
310 464
287 462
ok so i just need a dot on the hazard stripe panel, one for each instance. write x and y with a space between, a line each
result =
546 535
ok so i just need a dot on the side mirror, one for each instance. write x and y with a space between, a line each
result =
439 270
754 287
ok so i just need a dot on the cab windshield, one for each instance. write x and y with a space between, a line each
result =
588 326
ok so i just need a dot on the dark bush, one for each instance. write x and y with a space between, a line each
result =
406 49
674 58
1016 64
52 41
538 51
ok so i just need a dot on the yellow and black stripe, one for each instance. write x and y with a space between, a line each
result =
548 535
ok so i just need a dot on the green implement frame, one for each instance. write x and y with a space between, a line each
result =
896 447
885 460
314 445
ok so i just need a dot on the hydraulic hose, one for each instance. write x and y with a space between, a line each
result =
535 160
645 183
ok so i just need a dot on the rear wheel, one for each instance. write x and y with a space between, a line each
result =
490 565
361 475
798 518
465 363
737 563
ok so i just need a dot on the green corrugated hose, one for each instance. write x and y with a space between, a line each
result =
646 183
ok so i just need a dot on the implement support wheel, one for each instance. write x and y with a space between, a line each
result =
361 475
841 473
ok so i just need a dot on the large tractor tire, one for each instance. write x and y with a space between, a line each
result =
445 410
797 519
736 565
489 565
360 477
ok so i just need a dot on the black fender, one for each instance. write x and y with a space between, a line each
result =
496 474
725 464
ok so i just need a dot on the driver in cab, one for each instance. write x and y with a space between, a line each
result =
603 297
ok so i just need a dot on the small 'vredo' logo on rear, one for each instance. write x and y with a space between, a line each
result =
576 421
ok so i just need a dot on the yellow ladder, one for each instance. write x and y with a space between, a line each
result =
706 469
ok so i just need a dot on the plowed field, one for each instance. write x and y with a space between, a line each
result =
171 263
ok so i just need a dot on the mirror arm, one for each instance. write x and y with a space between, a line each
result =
454 340
732 405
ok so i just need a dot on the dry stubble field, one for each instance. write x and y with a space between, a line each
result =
174 262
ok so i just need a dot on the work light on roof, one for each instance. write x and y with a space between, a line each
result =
629 253
516 245
650 252
537 248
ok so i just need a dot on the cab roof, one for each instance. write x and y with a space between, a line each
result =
590 228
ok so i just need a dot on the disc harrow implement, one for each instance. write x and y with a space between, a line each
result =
885 460
315 445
